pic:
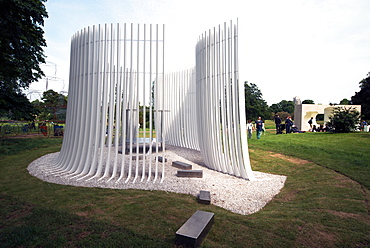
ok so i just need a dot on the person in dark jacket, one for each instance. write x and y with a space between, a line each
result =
288 124
278 124
259 127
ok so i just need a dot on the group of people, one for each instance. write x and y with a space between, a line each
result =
258 125
320 128
288 126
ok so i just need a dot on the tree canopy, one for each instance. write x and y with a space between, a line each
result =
16 106
21 49
307 101
363 97
344 101
283 106
52 106
255 106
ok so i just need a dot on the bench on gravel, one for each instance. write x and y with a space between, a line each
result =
195 229
190 173
204 197
182 165
160 159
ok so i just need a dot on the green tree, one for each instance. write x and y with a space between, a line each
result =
344 101
283 115
307 101
21 49
52 106
363 97
16 106
275 108
344 120
283 106
255 106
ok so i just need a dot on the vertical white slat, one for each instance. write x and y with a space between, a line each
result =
177 114
213 102
225 143
111 100
163 109
194 126
246 172
104 106
234 104
137 104
92 101
77 110
73 104
227 102
144 105
156 90
61 160
84 159
118 102
215 105
124 105
207 99
151 104
86 98
219 99
130 107
240 165
97 102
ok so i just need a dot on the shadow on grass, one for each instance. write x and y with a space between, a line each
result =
29 225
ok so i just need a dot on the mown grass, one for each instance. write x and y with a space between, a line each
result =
347 153
13 146
318 207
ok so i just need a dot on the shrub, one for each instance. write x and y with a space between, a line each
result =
344 120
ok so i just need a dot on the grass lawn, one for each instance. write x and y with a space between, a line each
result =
346 153
325 201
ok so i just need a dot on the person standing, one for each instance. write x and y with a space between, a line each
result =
259 127
288 124
363 125
277 124
310 121
249 129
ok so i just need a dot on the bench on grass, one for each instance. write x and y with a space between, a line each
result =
195 229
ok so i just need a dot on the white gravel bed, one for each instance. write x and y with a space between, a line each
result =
229 192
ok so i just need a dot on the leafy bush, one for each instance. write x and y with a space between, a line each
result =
344 120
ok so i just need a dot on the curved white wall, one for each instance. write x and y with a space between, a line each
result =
118 71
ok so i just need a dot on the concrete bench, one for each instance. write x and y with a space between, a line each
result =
204 197
190 173
195 229
181 165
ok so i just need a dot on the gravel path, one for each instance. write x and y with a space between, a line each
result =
235 194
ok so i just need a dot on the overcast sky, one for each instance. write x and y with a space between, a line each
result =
314 49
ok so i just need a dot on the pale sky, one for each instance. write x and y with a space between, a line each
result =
314 49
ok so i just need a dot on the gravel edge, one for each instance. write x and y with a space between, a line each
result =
229 192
